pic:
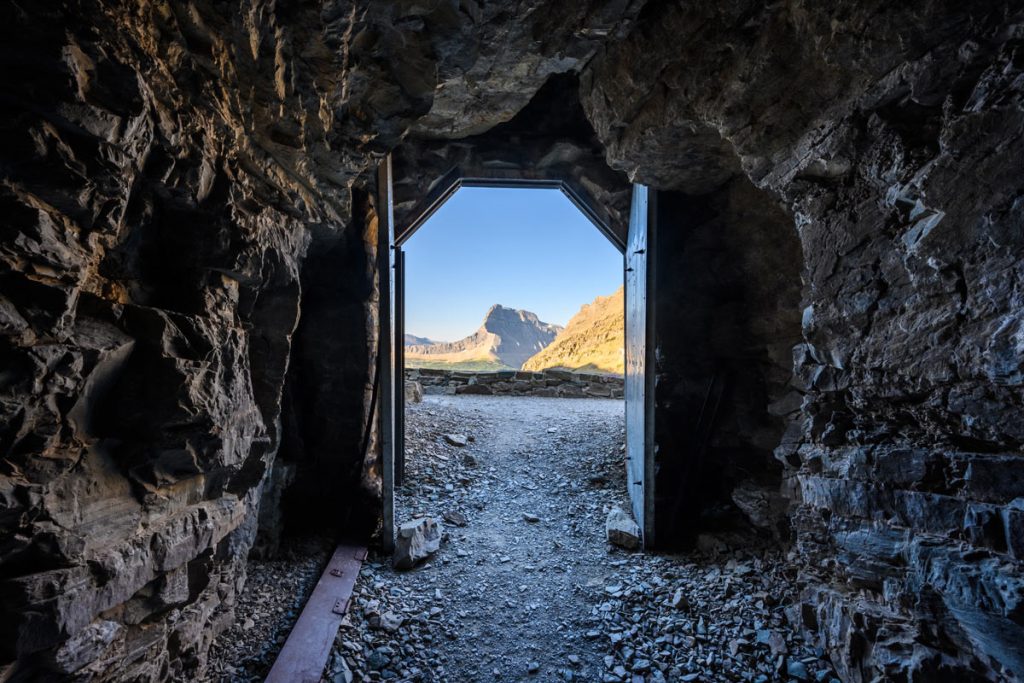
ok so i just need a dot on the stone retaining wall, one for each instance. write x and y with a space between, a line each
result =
551 383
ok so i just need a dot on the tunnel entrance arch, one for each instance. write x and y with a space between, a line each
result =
633 238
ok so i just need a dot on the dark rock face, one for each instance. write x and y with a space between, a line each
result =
150 289
329 387
187 297
728 317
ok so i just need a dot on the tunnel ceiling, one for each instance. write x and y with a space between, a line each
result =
182 183
550 139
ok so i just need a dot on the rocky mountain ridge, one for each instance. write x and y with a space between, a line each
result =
593 341
507 338
413 340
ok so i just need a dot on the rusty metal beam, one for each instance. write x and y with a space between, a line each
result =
305 653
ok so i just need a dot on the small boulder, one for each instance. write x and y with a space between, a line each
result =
413 391
764 506
377 659
622 530
340 673
391 622
416 541
459 440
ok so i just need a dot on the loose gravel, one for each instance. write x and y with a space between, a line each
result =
267 608
525 587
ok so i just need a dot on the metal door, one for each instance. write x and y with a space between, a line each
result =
640 360
399 355
385 353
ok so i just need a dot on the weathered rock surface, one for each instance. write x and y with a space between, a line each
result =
549 139
895 163
413 391
150 268
415 541
621 530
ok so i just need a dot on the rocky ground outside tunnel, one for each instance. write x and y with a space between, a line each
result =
524 585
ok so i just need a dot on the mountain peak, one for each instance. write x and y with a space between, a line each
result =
495 309
501 315
506 338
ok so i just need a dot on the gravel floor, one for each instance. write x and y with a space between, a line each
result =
267 608
508 598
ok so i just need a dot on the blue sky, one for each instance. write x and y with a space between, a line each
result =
521 248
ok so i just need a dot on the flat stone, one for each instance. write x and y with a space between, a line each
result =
459 440
797 669
455 517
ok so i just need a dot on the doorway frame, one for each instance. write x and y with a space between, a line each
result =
391 288
455 181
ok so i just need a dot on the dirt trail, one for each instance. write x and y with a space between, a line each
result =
516 584
507 598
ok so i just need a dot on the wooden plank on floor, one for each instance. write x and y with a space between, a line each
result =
305 653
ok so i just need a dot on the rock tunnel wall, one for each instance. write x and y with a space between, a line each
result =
550 139
185 194
326 447
157 210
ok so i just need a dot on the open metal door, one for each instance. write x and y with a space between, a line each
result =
387 393
640 360
399 353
